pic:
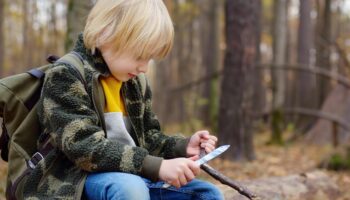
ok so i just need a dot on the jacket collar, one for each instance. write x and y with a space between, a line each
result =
95 60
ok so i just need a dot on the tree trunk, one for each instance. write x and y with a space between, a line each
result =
53 32
210 34
323 44
279 59
279 51
235 114
2 40
304 47
259 88
76 17
26 33
306 93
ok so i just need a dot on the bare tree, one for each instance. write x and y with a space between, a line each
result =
76 16
306 82
210 36
259 88
235 117
52 26
323 43
279 50
280 27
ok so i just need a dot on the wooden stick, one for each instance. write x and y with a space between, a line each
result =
226 180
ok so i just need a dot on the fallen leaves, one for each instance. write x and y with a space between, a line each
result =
296 158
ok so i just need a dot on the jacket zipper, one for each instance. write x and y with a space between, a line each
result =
127 112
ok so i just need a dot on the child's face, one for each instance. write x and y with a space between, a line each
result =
122 66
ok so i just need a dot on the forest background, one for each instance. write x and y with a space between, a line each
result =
269 77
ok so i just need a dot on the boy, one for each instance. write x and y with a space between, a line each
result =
107 141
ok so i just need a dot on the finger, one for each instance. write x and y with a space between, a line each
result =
212 142
182 179
207 144
209 148
214 138
203 140
175 183
189 175
194 158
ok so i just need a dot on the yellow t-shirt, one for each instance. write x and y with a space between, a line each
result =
114 101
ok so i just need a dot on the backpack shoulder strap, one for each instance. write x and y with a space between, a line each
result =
74 60
143 82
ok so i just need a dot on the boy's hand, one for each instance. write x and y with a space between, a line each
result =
201 139
179 171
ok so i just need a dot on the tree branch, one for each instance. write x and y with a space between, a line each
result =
226 180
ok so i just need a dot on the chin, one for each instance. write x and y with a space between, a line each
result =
125 79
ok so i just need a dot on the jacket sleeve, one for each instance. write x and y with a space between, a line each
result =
67 113
157 143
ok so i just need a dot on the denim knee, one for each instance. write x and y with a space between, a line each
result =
205 190
133 190
115 186
215 192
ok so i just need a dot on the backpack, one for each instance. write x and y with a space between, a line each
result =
19 95
20 126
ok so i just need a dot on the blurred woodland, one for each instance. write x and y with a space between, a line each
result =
269 77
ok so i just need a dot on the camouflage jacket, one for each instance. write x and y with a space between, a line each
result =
70 112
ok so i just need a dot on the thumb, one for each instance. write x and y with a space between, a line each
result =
194 158
204 134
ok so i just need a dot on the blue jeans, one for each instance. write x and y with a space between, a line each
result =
123 186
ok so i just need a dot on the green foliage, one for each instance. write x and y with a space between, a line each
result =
277 127
290 127
338 162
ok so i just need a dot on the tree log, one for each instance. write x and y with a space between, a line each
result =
315 185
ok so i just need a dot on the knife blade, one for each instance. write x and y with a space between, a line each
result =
215 153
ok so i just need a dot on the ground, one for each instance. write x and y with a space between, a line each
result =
282 161
270 161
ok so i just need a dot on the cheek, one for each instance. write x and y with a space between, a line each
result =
118 68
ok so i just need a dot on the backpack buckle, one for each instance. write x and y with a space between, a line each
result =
36 158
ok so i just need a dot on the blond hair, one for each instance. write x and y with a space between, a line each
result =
141 28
